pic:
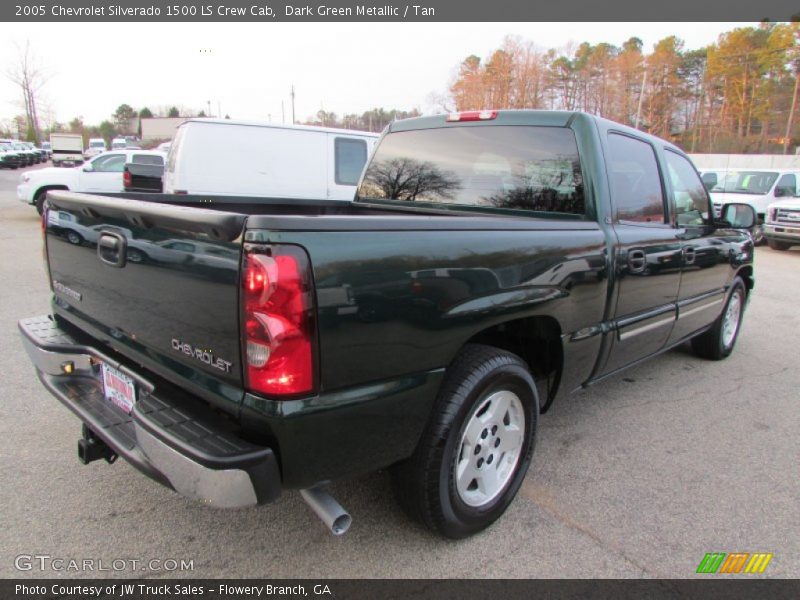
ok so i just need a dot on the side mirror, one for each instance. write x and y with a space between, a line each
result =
780 192
88 167
738 215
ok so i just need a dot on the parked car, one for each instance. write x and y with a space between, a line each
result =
48 149
240 158
164 147
102 174
782 229
96 146
143 172
67 149
490 261
10 158
27 157
757 187
119 143
39 155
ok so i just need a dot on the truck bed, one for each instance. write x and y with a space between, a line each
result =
395 291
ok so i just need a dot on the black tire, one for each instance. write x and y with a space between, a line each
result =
776 245
713 344
425 484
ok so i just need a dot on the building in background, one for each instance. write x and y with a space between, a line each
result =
160 128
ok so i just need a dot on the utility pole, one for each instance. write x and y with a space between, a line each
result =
641 97
208 114
791 114
293 119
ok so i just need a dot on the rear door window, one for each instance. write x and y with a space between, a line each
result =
350 156
109 163
636 191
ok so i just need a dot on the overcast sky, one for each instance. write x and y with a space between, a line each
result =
247 68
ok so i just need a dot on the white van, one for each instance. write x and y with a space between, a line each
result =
119 143
239 158
96 146
757 187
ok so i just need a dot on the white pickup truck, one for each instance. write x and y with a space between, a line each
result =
782 228
101 174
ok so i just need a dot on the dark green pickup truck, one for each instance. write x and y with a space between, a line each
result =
234 347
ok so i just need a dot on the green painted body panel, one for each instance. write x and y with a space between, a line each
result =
397 292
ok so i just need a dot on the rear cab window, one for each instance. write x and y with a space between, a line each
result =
147 159
519 169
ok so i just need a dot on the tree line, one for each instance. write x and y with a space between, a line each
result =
374 120
736 95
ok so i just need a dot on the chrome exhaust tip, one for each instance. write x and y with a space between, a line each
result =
335 517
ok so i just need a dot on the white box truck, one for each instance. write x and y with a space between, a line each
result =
67 149
240 158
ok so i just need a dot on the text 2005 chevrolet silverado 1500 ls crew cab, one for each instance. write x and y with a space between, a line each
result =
488 261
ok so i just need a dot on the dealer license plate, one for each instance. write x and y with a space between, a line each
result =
119 388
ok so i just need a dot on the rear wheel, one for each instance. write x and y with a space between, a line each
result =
718 342
776 245
74 238
475 452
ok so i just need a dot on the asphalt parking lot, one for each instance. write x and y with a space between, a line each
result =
639 476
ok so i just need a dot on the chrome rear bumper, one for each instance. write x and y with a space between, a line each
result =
173 440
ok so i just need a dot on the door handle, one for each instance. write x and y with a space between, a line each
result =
637 260
111 248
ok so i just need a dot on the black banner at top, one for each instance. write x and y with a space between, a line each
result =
393 10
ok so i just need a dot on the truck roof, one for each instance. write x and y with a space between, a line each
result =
352 132
544 118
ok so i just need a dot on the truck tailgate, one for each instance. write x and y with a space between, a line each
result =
156 282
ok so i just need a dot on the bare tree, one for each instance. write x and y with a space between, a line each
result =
30 77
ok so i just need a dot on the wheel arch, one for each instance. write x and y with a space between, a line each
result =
537 341
47 188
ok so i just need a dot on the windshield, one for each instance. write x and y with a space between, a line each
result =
745 182
97 145
502 167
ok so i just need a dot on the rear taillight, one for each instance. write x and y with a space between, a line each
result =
126 179
278 321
